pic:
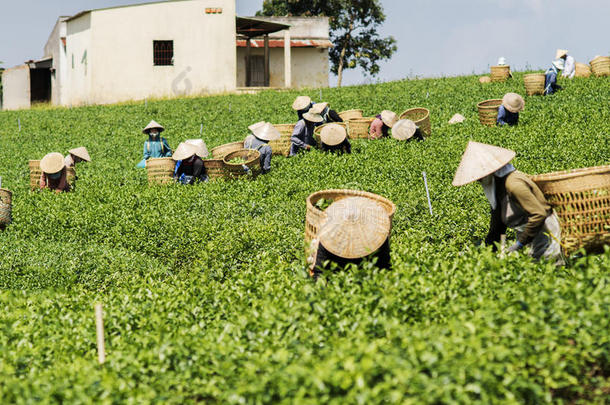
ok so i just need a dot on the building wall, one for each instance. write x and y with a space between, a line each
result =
54 48
16 88
79 51
122 56
310 67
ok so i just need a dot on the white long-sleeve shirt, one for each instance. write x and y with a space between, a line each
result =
570 67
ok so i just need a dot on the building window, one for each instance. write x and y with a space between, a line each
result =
163 53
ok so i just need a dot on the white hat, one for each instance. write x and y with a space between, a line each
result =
502 61
560 53
81 152
184 151
301 103
312 117
457 118
52 163
484 79
153 125
333 134
389 118
201 147
559 64
513 102
480 160
266 132
403 130
318 108
257 125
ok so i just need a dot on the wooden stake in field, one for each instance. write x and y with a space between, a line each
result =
145 102
99 328
427 192
201 129
19 123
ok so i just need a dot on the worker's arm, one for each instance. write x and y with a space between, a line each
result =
536 212
298 135
501 116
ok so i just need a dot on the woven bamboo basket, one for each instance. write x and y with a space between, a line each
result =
281 147
534 83
35 173
421 117
350 114
315 217
581 200
500 73
252 161
6 207
318 130
484 79
582 70
221 151
601 66
358 128
488 111
215 168
160 170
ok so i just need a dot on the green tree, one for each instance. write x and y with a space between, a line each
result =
354 32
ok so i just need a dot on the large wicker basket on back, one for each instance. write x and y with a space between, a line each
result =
248 157
281 147
35 173
601 66
6 207
421 117
160 170
318 130
534 83
581 199
315 217
582 70
350 114
488 111
358 128
500 73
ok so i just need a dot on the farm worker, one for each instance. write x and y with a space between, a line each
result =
382 124
569 69
550 80
515 200
302 137
508 112
54 174
155 146
189 161
77 155
334 139
405 130
327 114
301 105
355 229
260 135
502 62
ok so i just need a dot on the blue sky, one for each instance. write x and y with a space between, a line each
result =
435 38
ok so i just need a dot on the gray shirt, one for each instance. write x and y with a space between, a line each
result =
252 142
302 136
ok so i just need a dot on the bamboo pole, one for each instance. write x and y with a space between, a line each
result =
99 328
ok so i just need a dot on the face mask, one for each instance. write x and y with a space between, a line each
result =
54 176
154 134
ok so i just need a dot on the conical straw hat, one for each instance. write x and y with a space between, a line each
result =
184 151
513 102
354 227
333 134
301 103
312 117
484 79
457 118
81 152
479 160
267 132
52 163
153 125
318 108
201 147
560 52
257 125
389 118
403 130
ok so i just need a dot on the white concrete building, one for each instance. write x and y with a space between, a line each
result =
168 49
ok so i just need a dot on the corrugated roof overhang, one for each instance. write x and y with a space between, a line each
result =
251 27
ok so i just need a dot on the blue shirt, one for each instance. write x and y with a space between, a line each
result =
506 117
302 136
264 149
155 148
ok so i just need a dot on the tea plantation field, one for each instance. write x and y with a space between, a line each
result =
205 291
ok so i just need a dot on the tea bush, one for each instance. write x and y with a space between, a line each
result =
205 291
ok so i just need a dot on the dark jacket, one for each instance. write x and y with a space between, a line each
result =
324 256
343 147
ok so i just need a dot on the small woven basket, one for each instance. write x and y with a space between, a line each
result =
160 170
318 130
601 66
350 114
315 217
221 151
35 173
251 159
488 111
534 83
281 147
215 168
358 128
581 200
582 70
500 73
421 117
6 207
